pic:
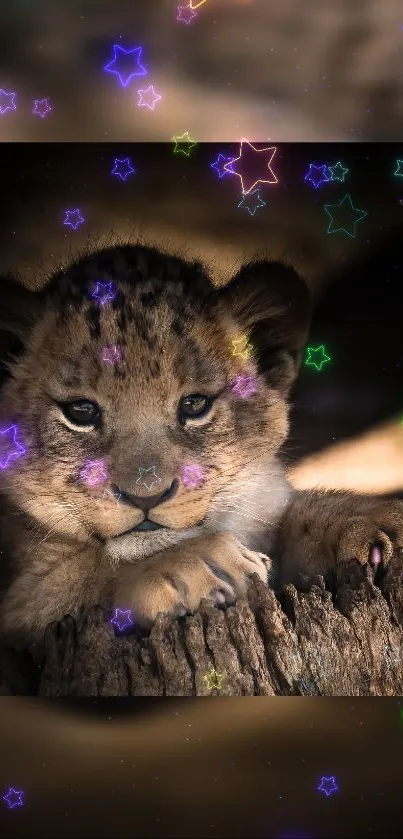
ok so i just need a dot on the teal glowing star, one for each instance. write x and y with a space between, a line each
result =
316 357
337 172
147 477
399 169
344 217
252 202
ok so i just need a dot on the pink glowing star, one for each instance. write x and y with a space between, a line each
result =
41 108
94 473
192 476
185 14
122 619
244 386
9 446
256 162
111 355
148 97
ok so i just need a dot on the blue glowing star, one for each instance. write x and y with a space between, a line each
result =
150 478
148 97
399 169
104 292
218 165
317 175
344 217
7 102
73 218
122 619
120 60
123 168
328 786
252 202
14 798
41 107
337 172
9 446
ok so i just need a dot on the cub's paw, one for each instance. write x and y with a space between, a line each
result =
173 582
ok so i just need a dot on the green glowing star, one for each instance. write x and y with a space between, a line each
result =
316 357
337 172
214 680
344 217
399 169
184 144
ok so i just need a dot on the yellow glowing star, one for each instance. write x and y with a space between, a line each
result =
241 347
251 159
184 144
213 679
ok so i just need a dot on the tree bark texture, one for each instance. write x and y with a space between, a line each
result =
295 642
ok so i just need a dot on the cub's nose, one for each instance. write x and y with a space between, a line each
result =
146 503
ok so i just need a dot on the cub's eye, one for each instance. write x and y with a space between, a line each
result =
194 405
81 412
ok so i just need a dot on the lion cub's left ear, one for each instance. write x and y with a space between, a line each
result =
272 305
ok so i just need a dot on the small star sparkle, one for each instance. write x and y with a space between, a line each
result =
104 292
344 217
185 14
148 97
14 798
123 168
7 102
244 386
241 347
184 144
122 619
122 58
192 476
337 172
399 169
252 202
94 473
9 446
316 357
73 219
328 785
213 679
148 477
41 108
218 165
317 175
252 158
111 355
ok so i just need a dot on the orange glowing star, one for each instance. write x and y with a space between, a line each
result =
255 162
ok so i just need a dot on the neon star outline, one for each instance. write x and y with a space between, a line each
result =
200 3
44 111
19 451
73 224
227 166
244 349
142 471
182 10
117 619
360 213
186 140
399 166
130 170
213 679
219 169
325 358
11 107
156 97
244 386
111 355
109 294
94 473
258 202
310 178
328 785
192 476
339 166
10 795
118 50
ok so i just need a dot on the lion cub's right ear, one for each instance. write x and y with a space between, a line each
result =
19 309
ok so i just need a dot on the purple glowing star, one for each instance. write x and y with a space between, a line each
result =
148 97
317 175
192 476
218 165
104 292
94 473
41 107
148 477
10 447
185 14
7 102
328 786
121 59
73 218
111 354
123 168
122 619
14 798
244 386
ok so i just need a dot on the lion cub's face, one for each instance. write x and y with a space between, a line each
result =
141 401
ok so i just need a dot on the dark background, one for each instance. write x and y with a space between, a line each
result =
216 766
